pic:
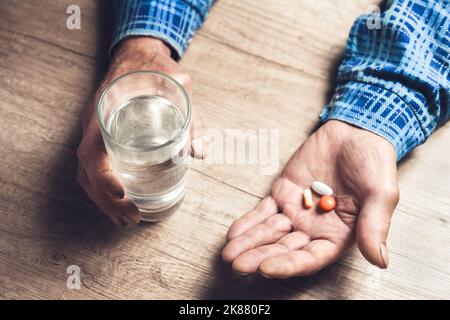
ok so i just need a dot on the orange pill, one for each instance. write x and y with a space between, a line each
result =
327 203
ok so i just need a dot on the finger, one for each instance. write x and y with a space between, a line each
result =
184 79
119 209
266 208
373 227
115 208
118 222
305 262
95 161
249 261
126 208
128 221
196 139
196 126
123 209
85 184
271 230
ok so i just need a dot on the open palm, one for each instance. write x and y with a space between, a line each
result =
280 238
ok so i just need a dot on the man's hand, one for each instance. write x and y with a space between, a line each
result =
94 171
280 238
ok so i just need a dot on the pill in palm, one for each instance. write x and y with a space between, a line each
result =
307 198
327 203
321 188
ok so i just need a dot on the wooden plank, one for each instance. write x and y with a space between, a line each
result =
248 73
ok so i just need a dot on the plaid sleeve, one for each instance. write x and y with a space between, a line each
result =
174 21
394 79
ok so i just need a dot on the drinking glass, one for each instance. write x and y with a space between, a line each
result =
144 118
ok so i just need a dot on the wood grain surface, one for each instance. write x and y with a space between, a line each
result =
255 64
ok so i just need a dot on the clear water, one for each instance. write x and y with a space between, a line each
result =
152 180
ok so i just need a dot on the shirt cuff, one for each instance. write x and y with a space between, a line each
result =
378 110
174 22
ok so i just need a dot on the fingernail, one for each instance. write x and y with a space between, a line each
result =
265 275
197 148
241 273
118 193
110 183
384 255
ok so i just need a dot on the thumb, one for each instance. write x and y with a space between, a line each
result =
373 227
196 135
197 149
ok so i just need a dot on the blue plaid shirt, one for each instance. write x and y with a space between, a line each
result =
393 81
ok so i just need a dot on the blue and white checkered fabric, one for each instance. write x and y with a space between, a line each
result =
394 80
174 21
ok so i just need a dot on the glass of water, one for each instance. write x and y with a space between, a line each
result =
144 118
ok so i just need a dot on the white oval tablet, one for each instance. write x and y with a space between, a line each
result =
321 188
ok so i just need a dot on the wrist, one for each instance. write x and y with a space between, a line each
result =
380 110
141 45
360 138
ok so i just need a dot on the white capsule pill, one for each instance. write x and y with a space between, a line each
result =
321 188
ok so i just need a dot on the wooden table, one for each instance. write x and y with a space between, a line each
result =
255 65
